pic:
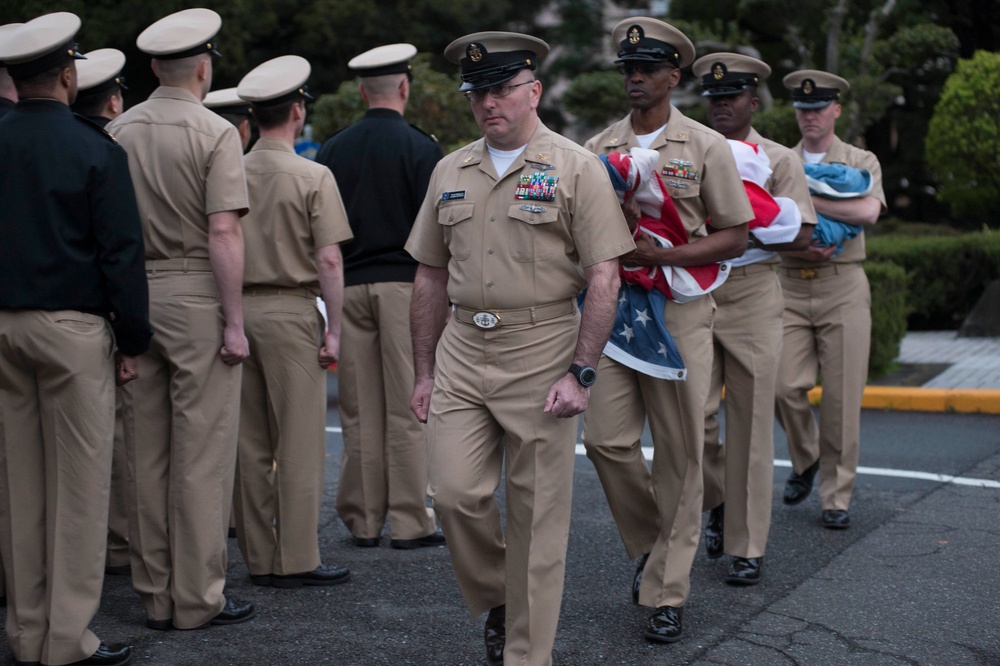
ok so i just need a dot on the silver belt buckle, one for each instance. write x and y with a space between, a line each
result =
486 320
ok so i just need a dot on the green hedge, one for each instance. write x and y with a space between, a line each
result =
946 274
889 309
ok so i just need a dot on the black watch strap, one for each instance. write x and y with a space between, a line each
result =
584 374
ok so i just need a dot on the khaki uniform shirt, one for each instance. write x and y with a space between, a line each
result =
697 167
295 210
186 163
852 156
506 252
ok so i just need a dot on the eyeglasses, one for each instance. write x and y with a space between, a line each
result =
496 92
644 68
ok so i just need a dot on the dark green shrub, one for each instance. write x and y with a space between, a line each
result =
889 310
946 274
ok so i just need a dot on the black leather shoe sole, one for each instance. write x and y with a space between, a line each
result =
318 577
119 570
798 486
714 533
263 580
744 571
664 625
835 519
637 578
430 541
495 635
366 542
107 655
160 625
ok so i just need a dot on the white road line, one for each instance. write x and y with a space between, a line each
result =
874 471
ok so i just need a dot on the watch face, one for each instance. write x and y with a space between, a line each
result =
588 376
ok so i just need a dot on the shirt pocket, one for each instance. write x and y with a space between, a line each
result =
454 219
534 235
681 188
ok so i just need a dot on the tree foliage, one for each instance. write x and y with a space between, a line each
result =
963 140
595 99
435 106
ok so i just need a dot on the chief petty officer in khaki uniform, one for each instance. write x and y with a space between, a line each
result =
513 227
58 331
382 165
747 333
291 238
659 515
181 417
99 100
827 318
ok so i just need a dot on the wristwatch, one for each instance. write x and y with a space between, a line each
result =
584 374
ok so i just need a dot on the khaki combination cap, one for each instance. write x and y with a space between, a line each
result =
183 34
276 81
729 73
647 39
814 88
489 58
100 71
40 44
382 60
6 31
227 100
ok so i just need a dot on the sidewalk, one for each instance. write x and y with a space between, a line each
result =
939 372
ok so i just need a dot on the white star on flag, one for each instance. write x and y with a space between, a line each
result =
642 317
627 333
663 350
622 299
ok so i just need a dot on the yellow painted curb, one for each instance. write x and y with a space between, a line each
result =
907 398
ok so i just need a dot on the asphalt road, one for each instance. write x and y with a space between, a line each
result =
913 581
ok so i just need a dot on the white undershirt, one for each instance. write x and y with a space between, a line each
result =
645 140
502 159
812 158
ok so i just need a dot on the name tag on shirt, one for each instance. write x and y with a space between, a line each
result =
452 196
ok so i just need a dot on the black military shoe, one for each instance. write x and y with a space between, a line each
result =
637 577
798 486
232 613
714 543
321 575
664 625
495 635
432 540
108 655
744 571
835 519
365 542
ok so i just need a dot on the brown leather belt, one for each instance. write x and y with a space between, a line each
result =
302 292
188 265
751 269
491 319
812 273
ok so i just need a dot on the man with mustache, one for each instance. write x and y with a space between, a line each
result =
827 320
747 336
513 227
659 514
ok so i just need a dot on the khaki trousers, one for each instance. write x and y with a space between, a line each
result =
747 342
620 402
57 416
118 505
384 466
827 327
180 422
486 410
282 449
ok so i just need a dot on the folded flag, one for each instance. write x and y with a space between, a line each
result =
836 181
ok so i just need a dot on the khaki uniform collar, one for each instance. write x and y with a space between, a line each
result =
621 134
538 151
272 143
170 92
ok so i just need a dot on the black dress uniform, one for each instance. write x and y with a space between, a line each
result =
382 166
6 106
72 286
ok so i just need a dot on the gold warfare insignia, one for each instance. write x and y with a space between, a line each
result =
718 71
634 34
475 55
807 87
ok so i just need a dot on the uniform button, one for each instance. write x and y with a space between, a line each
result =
489 285
531 218
493 219
497 186
490 251
451 219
